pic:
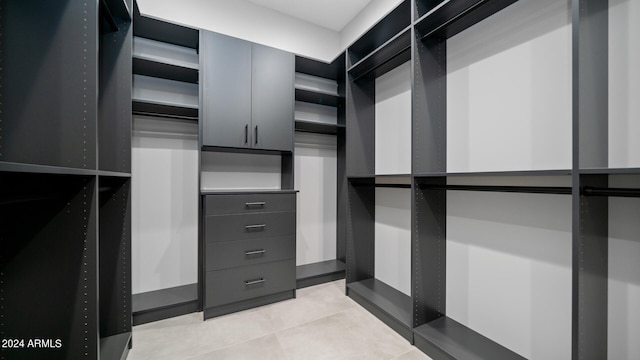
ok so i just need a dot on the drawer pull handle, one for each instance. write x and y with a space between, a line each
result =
255 252
253 227
253 282
257 203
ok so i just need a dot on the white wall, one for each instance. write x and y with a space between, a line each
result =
509 90
315 178
624 275
509 272
362 22
393 238
239 171
393 121
248 21
164 204
624 83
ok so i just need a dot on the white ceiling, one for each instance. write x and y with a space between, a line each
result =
330 14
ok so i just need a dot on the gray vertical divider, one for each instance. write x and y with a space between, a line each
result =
360 231
341 225
429 253
590 150
361 127
429 105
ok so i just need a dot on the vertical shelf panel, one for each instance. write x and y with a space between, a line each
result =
115 256
48 264
114 102
49 83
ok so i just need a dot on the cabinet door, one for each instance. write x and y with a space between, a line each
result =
225 68
272 98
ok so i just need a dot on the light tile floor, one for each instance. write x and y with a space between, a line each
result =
321 323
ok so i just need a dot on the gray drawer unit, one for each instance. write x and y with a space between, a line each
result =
249 203
222 228
247 282
226 255
249 244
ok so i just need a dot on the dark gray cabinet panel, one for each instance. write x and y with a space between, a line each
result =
247 94
272 98
249 203
249 252
226 90
250 226
237 284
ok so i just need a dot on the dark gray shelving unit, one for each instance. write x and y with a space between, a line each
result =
423 40
175 301
173 34
65 166
163 304
383 48
317 273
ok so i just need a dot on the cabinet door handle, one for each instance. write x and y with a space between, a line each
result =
255 252
257 203
256 133
246 134
253 282
260 226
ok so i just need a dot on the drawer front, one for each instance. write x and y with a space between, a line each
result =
222 228
249 203
249 252
247 282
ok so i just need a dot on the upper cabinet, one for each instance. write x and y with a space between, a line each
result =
247 94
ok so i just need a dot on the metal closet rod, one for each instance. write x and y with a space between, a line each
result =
496 188
615 192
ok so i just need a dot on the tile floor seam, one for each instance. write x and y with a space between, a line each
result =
320 318
286 354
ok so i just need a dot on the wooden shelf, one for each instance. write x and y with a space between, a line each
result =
317 127
318 273
115 347
452 17
388 56
388 304
44 169
162 304
445 338
147 67
163 31
319 98
173 111
392 24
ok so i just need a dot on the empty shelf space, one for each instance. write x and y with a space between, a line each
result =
174 111
388 56
317 127
388 304
320 272
165 303
320 98
147 67
452 17
445 338
115 347
164 31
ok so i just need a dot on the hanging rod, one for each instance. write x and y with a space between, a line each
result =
509 189
617 192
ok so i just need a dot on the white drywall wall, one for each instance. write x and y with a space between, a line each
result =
509 90
393 121
624 274
624 83
164 204
315 178
509 269
393 238
246 20
239 171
